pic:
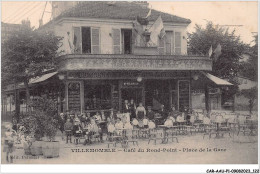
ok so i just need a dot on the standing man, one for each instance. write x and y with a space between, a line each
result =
126 107
132 108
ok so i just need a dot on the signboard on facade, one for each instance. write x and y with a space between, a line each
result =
113 62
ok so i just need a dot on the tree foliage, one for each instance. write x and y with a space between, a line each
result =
249 68
200 41
27 53
251 94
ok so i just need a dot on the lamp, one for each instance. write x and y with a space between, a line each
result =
195 77
61 76
139 78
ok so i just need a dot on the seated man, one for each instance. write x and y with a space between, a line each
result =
174 113
97 117
163 112
103 117
150 114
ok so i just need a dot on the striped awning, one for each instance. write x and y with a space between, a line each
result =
217 80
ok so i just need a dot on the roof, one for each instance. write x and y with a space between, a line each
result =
117 10
216 80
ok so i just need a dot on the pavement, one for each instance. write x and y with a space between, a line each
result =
191 149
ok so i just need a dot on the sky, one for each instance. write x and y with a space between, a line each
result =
239 15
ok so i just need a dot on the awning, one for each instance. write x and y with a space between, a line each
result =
216 80
31 81
42 78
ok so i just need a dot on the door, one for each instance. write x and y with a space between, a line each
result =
132 93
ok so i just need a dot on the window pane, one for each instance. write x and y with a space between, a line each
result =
86 40
97 97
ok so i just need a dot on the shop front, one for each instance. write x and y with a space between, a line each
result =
101 83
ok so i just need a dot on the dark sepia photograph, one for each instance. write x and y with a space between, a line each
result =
129 82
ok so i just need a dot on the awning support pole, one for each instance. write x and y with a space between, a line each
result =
206 98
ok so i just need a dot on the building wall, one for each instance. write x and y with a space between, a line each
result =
106 38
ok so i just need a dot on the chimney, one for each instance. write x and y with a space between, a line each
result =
143 4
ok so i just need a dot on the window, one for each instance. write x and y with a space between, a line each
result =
97 96
86 40
126 41
168 42
177 41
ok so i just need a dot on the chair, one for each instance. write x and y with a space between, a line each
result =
171 133
130 137
208 127
193 127
242 126
155 134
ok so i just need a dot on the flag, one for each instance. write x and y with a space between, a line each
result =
210 51
149 13
217 52
137 33
157 30
70 49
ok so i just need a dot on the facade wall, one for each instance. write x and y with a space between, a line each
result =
106 31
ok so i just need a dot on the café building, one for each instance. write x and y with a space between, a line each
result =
108 59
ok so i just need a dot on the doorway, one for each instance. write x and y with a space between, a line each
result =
132 93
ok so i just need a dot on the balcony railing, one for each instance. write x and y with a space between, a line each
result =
80 62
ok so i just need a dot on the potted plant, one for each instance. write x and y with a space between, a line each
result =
49 125
51 148
40 122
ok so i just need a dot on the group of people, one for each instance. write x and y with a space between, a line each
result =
100 123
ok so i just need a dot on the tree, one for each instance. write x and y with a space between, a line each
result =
227 65
26 54
200 41
249 68
251 94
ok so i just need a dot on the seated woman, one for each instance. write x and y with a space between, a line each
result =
135 122
180 118
145 122
168 122
151 125
92 128
110 127
119 124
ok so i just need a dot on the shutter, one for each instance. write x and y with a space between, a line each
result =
161 46
168 42
95 40
116 41
177 43
77 40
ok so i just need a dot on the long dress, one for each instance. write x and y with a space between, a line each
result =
132 109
